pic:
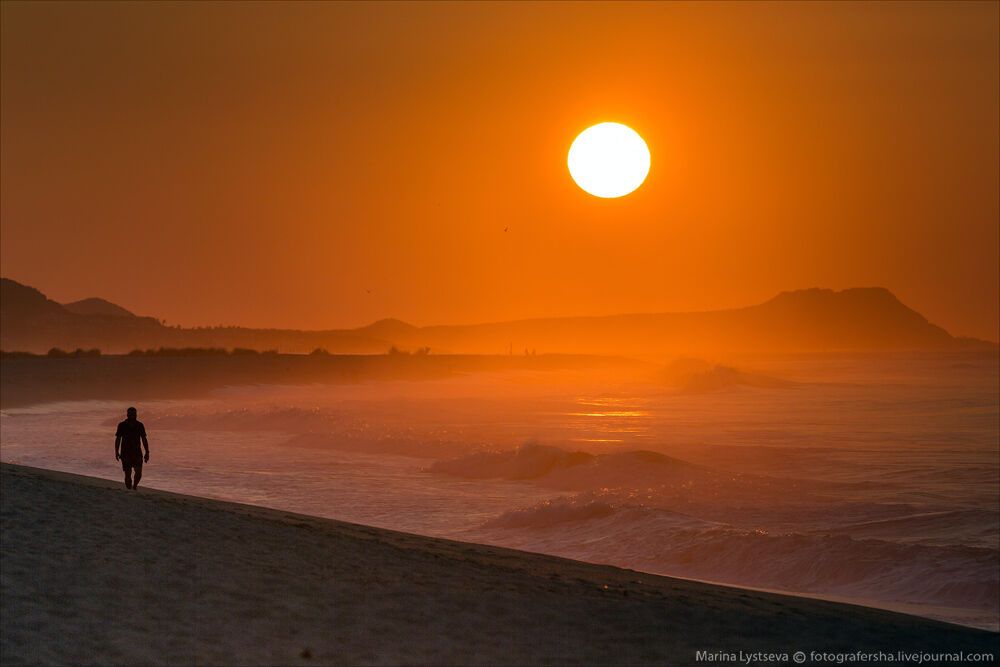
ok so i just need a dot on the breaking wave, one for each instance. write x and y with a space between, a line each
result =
673 543
666 476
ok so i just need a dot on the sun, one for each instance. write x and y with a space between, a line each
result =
608 160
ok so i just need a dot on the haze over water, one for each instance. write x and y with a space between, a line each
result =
862 477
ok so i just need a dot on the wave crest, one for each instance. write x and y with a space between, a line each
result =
672 543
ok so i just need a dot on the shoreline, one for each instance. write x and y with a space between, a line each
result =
204 581
958 616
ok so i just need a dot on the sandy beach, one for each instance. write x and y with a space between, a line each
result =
94 574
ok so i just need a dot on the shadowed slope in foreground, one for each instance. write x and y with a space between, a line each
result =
95 574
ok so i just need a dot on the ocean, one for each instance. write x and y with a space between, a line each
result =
870 479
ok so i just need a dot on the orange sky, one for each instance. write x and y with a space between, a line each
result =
269 164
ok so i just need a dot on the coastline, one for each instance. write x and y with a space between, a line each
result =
93 573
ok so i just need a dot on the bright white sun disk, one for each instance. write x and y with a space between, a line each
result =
609 160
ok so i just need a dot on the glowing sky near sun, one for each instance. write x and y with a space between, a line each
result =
320 165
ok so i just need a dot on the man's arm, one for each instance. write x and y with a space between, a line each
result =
145 444
118 442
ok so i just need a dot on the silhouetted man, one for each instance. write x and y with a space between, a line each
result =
130 433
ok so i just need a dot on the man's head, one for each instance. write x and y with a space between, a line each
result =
131 413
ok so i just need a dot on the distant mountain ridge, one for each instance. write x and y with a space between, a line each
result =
96 306
809 320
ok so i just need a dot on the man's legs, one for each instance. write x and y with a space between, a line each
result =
128 475
138 474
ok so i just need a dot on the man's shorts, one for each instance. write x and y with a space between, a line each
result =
131 461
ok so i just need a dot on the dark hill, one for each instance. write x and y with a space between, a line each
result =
31 322
812 320
389 329
804 320
96 306
19 301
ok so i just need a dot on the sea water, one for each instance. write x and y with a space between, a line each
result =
868 479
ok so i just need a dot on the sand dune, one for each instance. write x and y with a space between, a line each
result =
92 573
